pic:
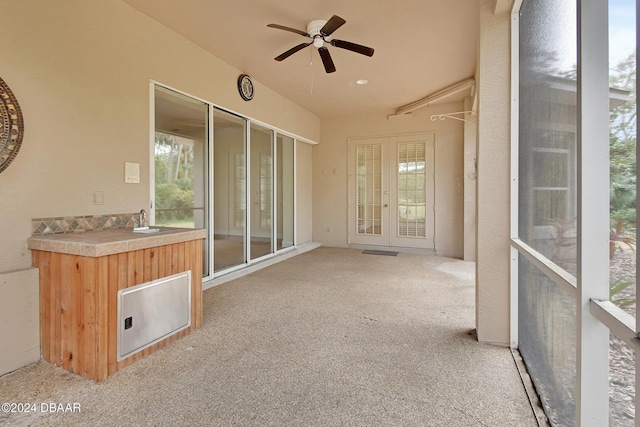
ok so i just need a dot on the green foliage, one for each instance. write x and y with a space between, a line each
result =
177 202
174 159
622 168
622 157
623 118
627 215
619 236
616 288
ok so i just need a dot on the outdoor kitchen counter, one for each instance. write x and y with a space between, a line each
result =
111 241
81 275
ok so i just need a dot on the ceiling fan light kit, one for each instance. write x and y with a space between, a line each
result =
318 31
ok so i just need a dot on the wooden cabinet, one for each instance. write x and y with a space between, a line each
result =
78 301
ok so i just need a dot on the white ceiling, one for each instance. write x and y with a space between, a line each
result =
421 46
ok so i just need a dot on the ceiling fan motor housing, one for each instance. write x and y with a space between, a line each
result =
313 29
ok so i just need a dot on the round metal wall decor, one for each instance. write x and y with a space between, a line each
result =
11 126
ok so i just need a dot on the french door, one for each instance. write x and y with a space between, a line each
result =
391 191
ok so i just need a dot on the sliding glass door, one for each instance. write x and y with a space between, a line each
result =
229 191
181 163
261 184
222 172
284 191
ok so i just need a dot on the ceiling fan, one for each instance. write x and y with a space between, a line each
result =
318 31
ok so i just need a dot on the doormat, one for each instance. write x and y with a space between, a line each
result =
374 252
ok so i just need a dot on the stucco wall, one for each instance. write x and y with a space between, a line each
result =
493 250
330 167
81 71
19 310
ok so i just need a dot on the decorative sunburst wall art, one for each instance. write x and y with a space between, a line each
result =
11 126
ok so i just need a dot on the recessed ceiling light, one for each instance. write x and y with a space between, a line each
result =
362 82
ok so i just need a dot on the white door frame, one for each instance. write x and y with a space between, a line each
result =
389 231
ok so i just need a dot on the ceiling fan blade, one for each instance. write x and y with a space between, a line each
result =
292 51
326 59
332 24
358 48
293 30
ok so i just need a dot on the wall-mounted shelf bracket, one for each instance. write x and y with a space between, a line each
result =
443 116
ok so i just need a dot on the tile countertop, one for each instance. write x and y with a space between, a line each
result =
112 241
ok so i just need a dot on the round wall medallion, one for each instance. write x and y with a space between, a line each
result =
11 126
245 87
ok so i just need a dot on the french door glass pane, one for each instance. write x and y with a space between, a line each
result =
261 185
181 163
623 181
230 198
369 189
284 180
412 207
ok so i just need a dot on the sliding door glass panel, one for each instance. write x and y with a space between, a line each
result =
229 190
547 199
622 201
181 163
284 191
261 191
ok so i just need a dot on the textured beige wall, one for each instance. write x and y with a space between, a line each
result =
330 189
19 310
470 182
492 271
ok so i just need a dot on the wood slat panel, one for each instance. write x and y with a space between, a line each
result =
154 262
147 254
161 256
102 317
67 311
54 295
89 337
77 325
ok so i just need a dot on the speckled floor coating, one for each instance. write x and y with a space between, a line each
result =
332 337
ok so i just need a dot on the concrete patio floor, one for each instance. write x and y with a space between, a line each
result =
332 337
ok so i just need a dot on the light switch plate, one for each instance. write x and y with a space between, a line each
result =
98 197
131 173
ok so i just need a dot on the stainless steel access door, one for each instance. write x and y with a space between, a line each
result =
152 311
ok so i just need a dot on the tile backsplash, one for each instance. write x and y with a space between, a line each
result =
78 224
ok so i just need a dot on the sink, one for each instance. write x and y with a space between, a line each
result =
145 230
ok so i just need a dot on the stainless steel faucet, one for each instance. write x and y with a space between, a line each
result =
142 218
